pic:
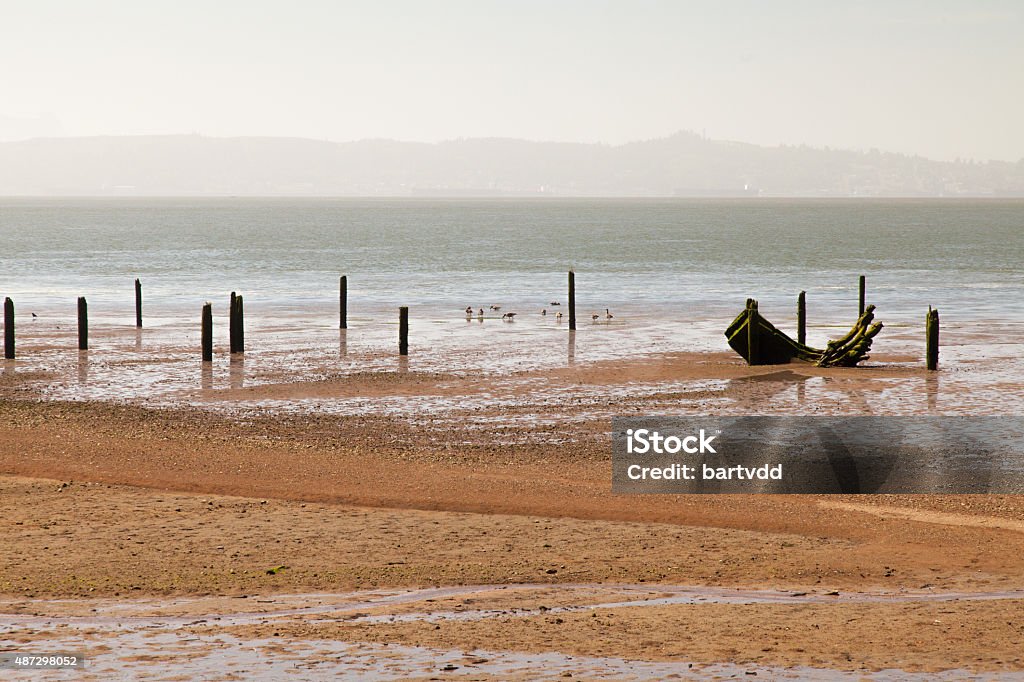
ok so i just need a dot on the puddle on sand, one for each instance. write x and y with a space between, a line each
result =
171 656
120 642
179 612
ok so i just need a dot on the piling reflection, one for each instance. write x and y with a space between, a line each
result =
206 376
236 371
83 366
931 389
572 347
342 342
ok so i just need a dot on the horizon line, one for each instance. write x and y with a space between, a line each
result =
681 132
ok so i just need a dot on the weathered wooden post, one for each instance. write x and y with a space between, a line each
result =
240 324
138 303
8 328
403 330
860 308
232 330
343 302
931 330
236 324
801 317
753 339
207 332
572 300
83 324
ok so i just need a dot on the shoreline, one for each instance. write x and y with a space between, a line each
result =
212 499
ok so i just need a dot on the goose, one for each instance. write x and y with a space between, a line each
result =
594 317
481 313
607 314
544 311
508 316
554 303
469 310
495 307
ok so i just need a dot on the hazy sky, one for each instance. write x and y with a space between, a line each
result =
942 79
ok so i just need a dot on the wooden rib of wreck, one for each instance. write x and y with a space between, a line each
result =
751 332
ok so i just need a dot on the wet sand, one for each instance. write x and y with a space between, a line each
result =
498 479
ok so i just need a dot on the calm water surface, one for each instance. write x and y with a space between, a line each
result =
673 272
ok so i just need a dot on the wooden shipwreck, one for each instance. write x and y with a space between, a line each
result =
760 343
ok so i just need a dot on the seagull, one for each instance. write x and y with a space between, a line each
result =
469 310
607 314
544 311
481 313
508 316
558 316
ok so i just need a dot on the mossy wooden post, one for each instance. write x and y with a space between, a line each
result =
343 302
931 329
572 300
240 323
83 324
753 339
860 307
8 328
138 303
403 330
207 333
801 317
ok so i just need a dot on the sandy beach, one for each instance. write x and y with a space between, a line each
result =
460 531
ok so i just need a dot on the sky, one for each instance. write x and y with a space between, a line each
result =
941 79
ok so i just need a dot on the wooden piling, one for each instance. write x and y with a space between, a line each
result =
83 324
343 302
236 324
232 330
403 330
8 328
572 300
860 308
753 338
240 323
931 327
138 303
801 317
207 332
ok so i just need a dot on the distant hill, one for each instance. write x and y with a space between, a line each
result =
683 164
